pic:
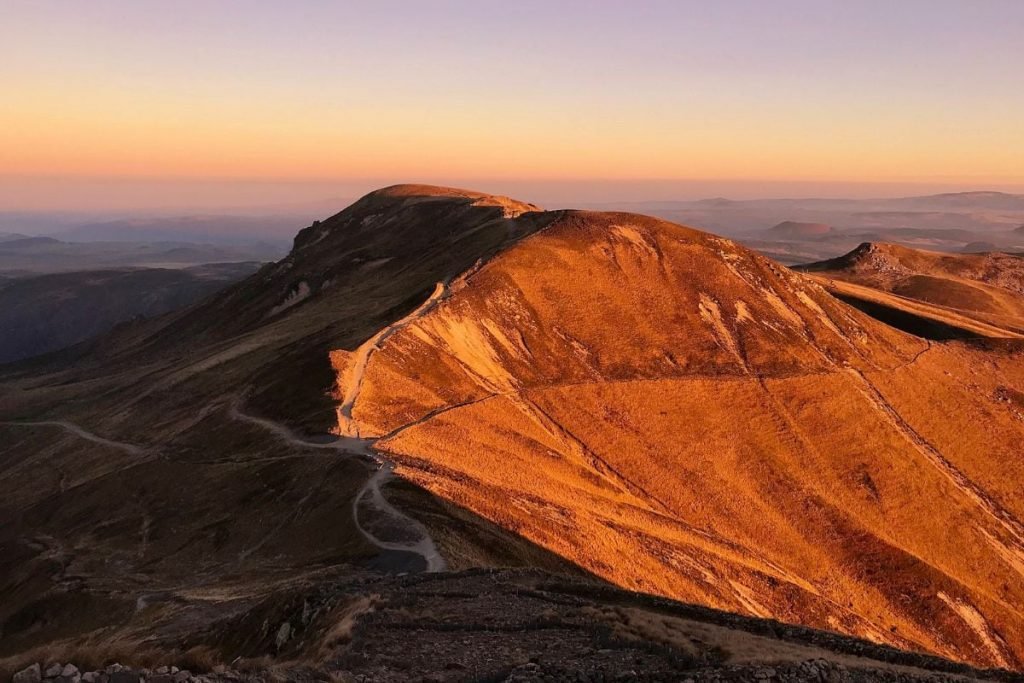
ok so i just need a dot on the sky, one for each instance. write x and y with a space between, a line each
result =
132 103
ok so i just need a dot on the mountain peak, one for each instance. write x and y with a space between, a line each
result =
511 207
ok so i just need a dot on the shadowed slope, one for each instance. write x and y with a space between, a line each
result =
683 417
210 503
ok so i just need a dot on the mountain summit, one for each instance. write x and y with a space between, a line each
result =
681 416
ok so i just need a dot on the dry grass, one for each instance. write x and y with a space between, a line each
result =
682 417
344 620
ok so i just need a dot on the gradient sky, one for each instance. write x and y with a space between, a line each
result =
107 94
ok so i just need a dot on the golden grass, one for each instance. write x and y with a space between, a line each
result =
682 417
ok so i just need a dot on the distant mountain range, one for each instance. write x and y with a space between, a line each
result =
218 229
45 313
22 255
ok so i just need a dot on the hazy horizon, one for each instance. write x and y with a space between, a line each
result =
159 196
117 105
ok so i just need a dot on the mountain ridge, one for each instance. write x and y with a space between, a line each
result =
567 397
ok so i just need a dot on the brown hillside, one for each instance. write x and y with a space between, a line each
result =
986 288
681 416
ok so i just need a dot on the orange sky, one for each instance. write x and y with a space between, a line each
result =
669 90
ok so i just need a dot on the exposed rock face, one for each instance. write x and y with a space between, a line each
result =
681 416
31 674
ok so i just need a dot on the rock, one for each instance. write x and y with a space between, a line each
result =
283 634
160 678
53 670
175 669
90 677
182 676
162 670
32 674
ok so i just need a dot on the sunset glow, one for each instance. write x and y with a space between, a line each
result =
871 91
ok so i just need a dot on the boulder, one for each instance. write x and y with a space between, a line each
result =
32 674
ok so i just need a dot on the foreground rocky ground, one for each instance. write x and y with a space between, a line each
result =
502 625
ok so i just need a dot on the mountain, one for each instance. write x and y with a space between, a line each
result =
947 222
607 396
38 255
44 313
20 242
976 294
616 390
997 201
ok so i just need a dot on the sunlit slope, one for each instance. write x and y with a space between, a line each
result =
958 289
684 417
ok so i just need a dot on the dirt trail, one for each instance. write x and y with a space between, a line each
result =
72 428
362 355
395 522
332 442
1014 546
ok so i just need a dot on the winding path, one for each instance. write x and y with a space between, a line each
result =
369 495
74 429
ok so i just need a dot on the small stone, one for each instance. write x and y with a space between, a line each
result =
90 677
32 674
53 670
162 670
182 676
283 634
175 669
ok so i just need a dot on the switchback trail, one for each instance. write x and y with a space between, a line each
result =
72 428
370 495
